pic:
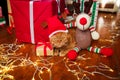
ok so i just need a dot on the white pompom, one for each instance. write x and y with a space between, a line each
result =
95 35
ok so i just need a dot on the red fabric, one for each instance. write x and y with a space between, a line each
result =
62 6
54 24
67 11
42 10
9 30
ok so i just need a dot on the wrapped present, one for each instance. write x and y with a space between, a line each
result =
44 49
29 15
10 16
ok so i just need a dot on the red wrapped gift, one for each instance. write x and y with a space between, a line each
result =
44 49
28 17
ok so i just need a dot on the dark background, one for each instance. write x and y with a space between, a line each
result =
3 4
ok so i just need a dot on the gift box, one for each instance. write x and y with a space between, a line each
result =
28 17
44 49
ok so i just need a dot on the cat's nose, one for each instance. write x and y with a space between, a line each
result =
83 21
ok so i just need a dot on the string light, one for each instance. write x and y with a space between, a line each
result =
105 16
101 67
83 58
33 78
111 16
41 65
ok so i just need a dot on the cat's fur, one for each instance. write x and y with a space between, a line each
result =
62 42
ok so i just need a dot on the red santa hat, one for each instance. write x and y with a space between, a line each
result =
55 26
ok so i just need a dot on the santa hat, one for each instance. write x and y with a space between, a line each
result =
55 26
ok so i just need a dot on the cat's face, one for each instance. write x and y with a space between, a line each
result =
59 40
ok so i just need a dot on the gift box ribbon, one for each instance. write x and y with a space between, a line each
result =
11 20
31 22
46 45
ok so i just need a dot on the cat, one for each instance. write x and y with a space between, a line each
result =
62 42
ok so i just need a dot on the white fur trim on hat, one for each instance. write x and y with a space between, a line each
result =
66 31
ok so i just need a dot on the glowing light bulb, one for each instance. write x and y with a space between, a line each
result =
75 63
111 70
93 74
116 28
6 69
52 63
105 16
79 64
48 70
84 74
86 67
111 16
35 64
64 58
69 70
33 78
1 71
41 72
11 77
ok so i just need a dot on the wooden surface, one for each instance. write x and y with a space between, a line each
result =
88 66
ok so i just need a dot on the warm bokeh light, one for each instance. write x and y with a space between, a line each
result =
100 23
113 25
103 3
118 3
